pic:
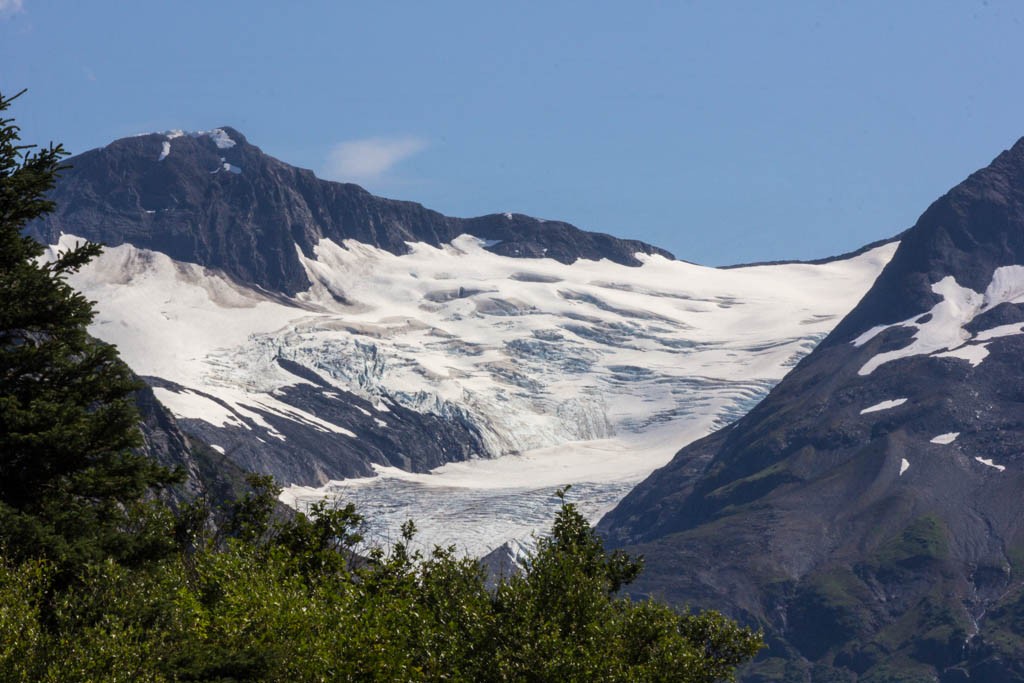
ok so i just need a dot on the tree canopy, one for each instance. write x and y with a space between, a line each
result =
294 601
70 481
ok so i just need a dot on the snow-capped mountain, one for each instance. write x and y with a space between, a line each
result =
869 511
213 199
312 331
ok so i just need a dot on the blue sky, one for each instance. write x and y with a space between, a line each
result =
723 131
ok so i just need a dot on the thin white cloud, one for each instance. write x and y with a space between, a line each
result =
11 7
369 159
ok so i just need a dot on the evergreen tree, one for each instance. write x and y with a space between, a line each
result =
70 482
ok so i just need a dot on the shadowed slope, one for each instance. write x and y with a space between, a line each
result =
869 510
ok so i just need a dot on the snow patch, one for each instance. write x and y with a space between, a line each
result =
297 415
225 166
973 354
884 405
219 449
904 466
870 334
988 462
1000 331
947 438
219 137
944 334
190 405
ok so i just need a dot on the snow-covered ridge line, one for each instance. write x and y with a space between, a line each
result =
218 135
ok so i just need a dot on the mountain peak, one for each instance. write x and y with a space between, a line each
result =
223 137
885 469
212 198
967 234
1016 151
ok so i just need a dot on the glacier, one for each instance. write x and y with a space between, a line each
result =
592 374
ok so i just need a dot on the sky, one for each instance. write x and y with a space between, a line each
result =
725 132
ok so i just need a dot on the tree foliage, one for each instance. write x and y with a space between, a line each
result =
299 604
70 482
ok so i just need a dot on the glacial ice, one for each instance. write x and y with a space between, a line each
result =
597 389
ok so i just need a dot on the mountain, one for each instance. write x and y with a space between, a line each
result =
868 512
213 199
312 331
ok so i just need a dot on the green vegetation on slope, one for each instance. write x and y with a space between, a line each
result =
296 605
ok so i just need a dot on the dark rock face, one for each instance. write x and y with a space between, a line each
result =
975 228
238 210
296 452
873 545
208 474
164 442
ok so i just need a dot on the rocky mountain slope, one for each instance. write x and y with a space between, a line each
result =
213 199
315 332
209 475
868 511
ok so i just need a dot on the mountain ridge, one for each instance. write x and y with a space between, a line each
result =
975 228
867 511
179 193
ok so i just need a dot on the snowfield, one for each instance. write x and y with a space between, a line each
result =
941 332
591 374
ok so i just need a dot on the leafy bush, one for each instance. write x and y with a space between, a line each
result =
275 610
